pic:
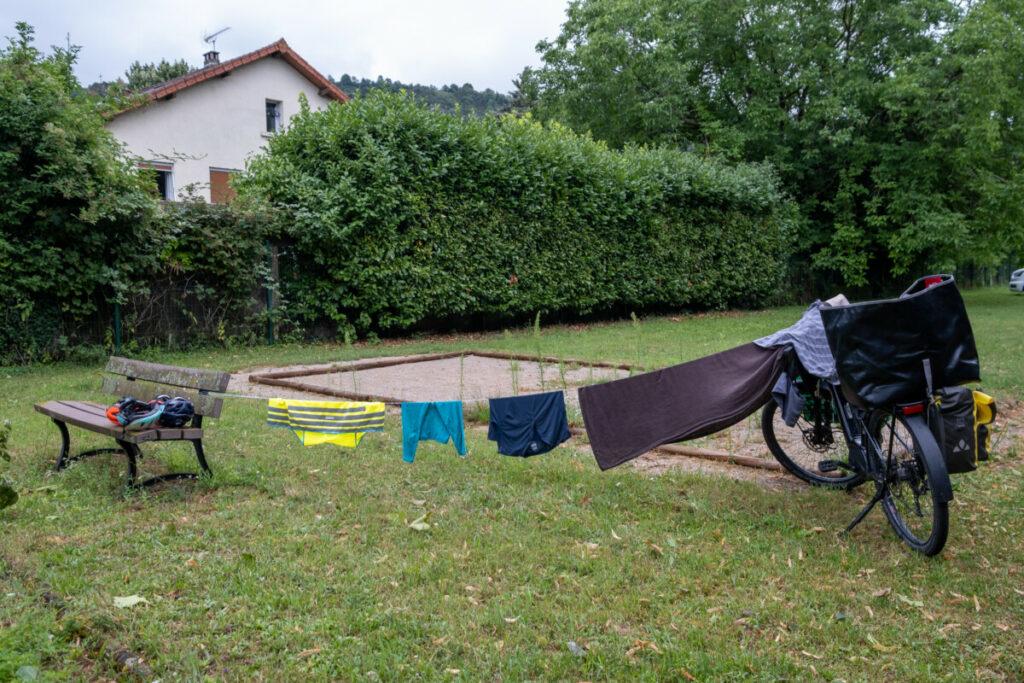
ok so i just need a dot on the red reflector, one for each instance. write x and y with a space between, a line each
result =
914 409
929 281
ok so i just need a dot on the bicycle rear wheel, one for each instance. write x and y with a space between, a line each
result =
914 509
808 449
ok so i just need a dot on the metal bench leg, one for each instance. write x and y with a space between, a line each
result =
133 453
198 445
65 448
65 445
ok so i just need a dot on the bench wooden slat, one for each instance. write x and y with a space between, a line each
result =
186 433
120 386
92 416
85 415
188 378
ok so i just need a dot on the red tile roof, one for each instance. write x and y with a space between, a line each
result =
280 48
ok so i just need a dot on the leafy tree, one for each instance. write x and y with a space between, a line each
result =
73 218
879 116
141 76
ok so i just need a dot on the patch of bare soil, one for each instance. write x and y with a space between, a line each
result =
476 378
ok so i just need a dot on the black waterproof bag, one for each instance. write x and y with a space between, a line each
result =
879 346
956 431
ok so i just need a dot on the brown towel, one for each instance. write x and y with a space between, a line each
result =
630 416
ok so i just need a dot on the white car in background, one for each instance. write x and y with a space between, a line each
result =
1017 281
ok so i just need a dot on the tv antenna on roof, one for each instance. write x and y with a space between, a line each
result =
211 38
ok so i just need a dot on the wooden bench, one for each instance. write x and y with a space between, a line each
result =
143 381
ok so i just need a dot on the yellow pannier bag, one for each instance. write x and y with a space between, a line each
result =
984 414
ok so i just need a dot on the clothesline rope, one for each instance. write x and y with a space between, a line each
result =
221 394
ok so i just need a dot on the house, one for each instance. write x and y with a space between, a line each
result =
196 130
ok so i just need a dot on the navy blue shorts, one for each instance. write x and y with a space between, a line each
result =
528 425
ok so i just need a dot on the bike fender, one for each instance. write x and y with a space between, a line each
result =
936 464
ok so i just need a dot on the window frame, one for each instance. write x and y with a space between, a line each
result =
273 121
164 171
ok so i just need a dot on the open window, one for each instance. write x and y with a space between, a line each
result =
163 175
273 116
221 191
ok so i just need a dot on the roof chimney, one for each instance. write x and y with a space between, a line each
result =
211 57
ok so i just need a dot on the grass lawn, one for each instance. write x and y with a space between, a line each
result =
298 563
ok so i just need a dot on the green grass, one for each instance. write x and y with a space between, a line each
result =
297 563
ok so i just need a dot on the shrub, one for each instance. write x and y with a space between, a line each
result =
73 209
400 214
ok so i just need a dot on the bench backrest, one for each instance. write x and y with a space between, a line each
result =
145 381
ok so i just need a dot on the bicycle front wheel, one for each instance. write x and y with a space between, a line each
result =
813 451
914 509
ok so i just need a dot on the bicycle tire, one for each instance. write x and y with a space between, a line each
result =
801 456
911 502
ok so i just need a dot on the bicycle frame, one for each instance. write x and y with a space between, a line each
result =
866 454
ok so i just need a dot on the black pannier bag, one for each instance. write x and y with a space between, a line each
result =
879 346
956 430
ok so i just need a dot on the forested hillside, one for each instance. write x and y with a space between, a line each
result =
446 98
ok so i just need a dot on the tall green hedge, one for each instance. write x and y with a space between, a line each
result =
400 214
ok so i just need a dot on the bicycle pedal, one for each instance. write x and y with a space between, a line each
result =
827 465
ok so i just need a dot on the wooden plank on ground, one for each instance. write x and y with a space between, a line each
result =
706 454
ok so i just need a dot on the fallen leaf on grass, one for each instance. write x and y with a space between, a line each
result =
878 646
308 653
1003 627
642 645
129 601
811 654
882 592
511 620
619 538
687 675
654 547
28 673
420 523
947 627
977 605
912 603
419 503
453 672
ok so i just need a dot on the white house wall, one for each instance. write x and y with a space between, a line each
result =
214 124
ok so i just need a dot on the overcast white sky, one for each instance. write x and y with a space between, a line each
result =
432 42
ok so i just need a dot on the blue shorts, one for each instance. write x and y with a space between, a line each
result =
528 425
